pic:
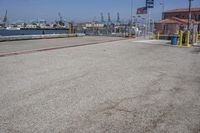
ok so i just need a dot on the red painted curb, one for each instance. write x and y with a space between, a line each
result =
53 48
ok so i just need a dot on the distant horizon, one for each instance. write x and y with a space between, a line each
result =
79 10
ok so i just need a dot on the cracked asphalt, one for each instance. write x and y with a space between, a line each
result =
116 87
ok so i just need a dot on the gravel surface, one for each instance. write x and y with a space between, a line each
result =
116 87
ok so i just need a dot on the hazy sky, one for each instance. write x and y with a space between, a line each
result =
80 10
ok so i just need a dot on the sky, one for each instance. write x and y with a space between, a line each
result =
81 10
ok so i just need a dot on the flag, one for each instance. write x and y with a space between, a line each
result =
142 10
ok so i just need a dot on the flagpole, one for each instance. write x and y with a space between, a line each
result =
163 8
149 22
149 5
190 16
131 25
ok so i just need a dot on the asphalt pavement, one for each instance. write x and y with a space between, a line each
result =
143 86
27 46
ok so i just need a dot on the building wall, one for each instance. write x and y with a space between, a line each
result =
182 15
168 29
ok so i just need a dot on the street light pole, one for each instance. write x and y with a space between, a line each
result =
131 16
190 15
144 27
163 9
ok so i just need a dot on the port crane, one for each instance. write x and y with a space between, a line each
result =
5 19
60 22
102 18
118 18
109 19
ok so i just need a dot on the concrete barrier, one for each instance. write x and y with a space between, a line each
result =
33 37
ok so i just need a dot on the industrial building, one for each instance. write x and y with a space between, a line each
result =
177 19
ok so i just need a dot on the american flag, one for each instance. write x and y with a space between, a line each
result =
142 10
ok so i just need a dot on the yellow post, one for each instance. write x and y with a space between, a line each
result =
196 37
181 39
154 36
177 32
158 36
187 42
193 39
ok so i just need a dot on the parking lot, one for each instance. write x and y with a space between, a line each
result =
122 86
29 46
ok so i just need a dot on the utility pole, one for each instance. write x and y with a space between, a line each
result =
190 15
144 28
108 23
131 25
149 21
163 9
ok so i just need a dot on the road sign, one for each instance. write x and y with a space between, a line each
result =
150 3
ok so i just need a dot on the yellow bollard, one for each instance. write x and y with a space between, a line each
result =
181 39
158 36
154 35
196 37
187 42
177 32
